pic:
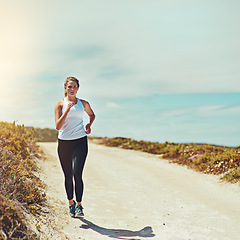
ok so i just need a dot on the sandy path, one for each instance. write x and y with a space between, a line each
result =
129 193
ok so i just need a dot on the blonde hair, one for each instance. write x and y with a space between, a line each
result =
67 81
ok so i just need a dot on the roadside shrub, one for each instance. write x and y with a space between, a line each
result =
12 223
232 175
44 135
19 182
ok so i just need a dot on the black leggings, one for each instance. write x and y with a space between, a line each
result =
72 155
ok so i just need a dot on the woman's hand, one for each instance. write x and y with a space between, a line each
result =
91 115
88 128
70 104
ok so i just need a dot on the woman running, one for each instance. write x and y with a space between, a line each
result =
72 141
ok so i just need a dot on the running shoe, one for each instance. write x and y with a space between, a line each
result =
72 209
79 211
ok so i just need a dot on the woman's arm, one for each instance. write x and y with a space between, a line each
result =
90 113
59 117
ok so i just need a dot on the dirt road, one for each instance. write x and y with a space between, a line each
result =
135 195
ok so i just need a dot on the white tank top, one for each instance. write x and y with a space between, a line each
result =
73 127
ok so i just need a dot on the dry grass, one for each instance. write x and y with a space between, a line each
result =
20 188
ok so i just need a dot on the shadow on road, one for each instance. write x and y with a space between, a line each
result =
117 233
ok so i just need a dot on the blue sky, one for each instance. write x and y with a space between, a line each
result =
158 70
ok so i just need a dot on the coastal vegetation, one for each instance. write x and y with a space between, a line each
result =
206 158
21 190
43 134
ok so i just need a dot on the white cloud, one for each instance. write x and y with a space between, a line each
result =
199 111
158 47
113 105
218 110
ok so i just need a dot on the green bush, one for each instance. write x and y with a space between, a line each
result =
44 135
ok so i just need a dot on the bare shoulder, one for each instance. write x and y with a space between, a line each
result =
59 104
84 102
87 107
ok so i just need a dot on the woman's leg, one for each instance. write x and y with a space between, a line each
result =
79 158
65 157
